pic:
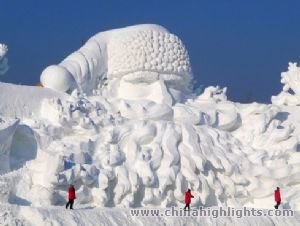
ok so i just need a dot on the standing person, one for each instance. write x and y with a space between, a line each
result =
277 197
187 199
71 196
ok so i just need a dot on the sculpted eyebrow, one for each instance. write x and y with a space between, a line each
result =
170 77
141 77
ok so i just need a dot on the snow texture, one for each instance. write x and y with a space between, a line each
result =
30 216
57 78
290 94
120 123
125 52
3 59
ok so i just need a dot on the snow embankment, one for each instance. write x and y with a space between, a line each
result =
19 101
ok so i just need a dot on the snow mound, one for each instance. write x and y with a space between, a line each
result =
24 101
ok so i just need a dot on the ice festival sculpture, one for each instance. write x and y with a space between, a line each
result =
290 94
120 121
137 55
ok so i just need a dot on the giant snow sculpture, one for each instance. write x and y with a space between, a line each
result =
131 133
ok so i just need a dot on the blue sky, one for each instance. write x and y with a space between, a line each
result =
243 45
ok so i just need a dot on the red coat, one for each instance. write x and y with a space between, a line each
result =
277 196
187 198
71 192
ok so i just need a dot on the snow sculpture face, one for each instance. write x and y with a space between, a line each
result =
148 64
139 62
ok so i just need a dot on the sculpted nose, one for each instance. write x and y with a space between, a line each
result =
163 93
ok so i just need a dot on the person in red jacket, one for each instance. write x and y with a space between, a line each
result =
277 197
71 196
187 199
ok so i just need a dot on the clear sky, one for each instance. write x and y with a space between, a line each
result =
241 44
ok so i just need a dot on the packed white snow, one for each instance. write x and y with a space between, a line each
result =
57 78
290 94
119 120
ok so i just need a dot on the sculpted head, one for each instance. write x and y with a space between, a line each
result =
148 63
143 62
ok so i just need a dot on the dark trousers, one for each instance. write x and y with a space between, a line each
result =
187 205
70 203
277 204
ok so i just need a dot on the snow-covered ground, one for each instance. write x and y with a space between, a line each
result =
36 216
118 118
